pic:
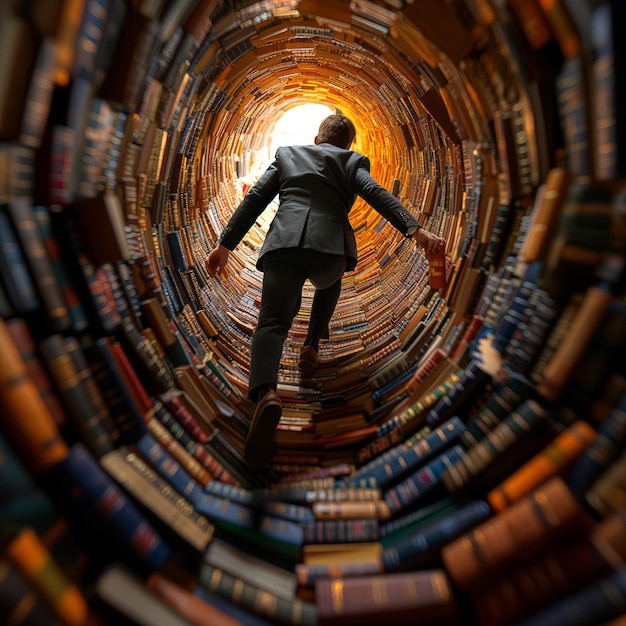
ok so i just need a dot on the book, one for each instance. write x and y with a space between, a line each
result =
254 570
33 246
397 598
555 459
189 606
26 420
263 603
546 517
553 575
121 596
92 423
602 600
424 546
23 339
91 488
20 602
34 560
437 269
172 515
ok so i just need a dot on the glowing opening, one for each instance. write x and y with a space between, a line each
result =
298 125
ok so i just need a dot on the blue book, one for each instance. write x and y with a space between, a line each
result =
424 481
93 487
14 272
404 458
278 536
412 550
608 444
598 603
169 468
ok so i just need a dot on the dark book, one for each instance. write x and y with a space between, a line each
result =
340 531
94 427
547 517
426 481
278 536
597 603
279 610
20 603
33 247
605 448
72 301
14 272
92 489
394 464
394 598
424 546
169 469
554 575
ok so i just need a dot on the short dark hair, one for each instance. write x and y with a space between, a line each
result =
338 130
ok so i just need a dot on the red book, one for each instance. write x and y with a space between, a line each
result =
437 269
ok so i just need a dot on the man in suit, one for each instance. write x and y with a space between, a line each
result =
309 238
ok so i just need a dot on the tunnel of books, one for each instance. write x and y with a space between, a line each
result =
457 457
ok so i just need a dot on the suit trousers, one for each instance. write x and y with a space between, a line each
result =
284 274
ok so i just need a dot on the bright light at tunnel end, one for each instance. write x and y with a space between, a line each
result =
298 125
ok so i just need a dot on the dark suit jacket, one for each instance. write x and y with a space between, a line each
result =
317 186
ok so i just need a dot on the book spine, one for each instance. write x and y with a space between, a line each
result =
87 476
308 575
23 218
24 342
415 548
547 516
21 603
529 418
341 530
554 459
167 466
92 428
405 458
182 456
26 420
35 562
422 482
396 597
260 602
610 440
208 460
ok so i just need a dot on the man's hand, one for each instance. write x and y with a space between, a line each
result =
428 241
217 260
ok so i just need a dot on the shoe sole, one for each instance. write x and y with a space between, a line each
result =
259 447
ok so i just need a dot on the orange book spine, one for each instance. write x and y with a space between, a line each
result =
553 460
34 560
26 419
570 350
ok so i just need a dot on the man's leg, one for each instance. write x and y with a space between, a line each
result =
282 289
322 309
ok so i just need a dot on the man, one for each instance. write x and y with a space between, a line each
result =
309 238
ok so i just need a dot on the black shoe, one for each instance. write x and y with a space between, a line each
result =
308 360
259 447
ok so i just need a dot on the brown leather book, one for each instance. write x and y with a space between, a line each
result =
544 518
423 597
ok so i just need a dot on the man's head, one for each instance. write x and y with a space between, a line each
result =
338 130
